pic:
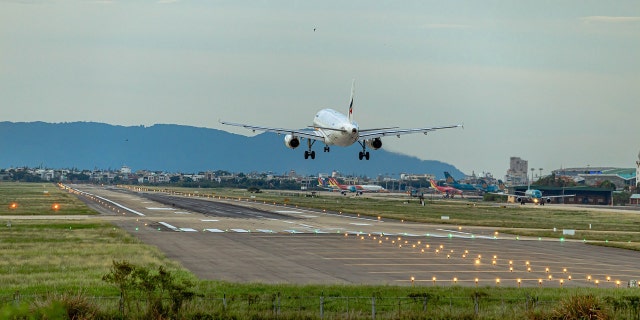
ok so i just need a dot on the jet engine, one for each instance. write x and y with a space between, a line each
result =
547 200
291 141
374 144
519 200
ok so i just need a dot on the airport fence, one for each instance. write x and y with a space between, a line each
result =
274 306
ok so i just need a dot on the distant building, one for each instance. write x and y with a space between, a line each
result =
594 176
638 171
416 177
517 173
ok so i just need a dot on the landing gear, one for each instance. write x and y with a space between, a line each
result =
326 149
364 153
310 153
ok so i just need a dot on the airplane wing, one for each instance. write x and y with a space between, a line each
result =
377 133
562 196
309 134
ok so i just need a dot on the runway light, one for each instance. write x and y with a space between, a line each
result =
528 269
546 269
510 269
561 282
564 270
510 262
477 262
589 278
550 277
519 281
55 207
434 280
608 278
412 280
597 282
455 280
497 282
13 205
540 282
617 283
526 263
476 281
569 277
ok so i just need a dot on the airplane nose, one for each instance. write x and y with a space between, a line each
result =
354 130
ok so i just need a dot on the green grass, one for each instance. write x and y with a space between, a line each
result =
38 256
37 199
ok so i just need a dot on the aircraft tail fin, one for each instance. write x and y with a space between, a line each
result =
353 90
321 182
449 178
433 183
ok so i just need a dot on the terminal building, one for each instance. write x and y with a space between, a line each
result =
622 178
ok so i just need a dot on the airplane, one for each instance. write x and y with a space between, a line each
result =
334 128
359 188
447 192
532 195
460 186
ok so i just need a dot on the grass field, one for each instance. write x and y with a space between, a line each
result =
71 256
38 199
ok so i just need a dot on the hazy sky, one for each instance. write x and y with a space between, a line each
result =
554 82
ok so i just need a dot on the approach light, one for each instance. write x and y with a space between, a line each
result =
55 206
13 205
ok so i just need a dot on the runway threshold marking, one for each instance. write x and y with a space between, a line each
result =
214 230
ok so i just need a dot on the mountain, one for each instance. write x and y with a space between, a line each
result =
177 148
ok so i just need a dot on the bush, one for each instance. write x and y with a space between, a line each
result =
580 307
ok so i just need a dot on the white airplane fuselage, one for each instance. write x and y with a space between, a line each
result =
336 128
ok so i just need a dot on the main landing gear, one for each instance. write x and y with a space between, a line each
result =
310 153
364 153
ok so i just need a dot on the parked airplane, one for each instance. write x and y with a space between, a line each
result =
358 188
447 192
460 186
482 185
334 128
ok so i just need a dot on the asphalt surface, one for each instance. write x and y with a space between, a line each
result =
245 241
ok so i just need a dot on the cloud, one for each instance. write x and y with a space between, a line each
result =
609 19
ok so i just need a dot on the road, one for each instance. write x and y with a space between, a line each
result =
245 241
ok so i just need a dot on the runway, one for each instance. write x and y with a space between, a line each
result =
244 241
